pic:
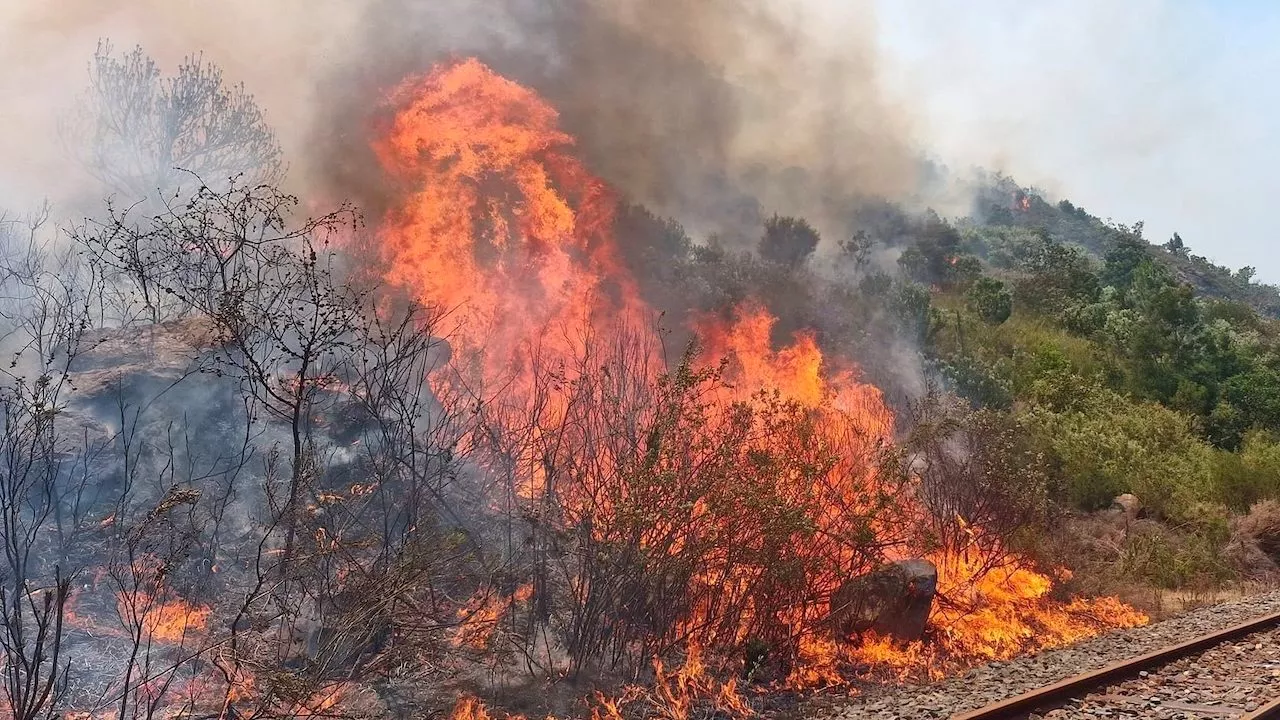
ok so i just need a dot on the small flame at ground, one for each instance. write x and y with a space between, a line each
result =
167 620
478 619
687 692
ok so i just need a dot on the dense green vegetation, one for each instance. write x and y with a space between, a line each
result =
1139 381
1137 368
1129 367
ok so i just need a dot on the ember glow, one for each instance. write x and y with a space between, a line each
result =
501 223
166 620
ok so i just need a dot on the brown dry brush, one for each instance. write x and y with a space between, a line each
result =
666 517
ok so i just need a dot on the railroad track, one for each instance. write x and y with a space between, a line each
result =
1230 674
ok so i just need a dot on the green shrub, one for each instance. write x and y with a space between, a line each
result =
1109 444
788 240
1249 476
982 384
1175 559
990 300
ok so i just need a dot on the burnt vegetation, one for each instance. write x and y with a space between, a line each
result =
239 481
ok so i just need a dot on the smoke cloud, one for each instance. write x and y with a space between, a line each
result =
714 111
1143 110
720 111
278 50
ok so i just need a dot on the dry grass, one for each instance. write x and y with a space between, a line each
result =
1165 570
1255 543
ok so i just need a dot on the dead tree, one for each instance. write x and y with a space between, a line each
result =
139 127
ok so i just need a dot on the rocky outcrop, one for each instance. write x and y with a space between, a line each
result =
123 359
894 600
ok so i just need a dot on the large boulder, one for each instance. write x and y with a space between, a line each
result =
894 600
1128 504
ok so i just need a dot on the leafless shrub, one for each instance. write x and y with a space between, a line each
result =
981 476
42 322
354 556
139 130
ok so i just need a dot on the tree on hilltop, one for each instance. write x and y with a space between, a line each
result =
788 240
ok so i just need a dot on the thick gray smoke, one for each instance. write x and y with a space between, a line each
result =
714 111
278 50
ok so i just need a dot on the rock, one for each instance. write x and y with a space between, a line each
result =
1128 504
127 360
894 600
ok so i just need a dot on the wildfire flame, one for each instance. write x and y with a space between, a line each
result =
679 694
478 619
501 224
170 620
799 371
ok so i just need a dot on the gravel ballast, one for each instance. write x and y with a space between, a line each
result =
994 682
1226 681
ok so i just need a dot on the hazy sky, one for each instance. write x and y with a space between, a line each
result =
1135 110
1143 110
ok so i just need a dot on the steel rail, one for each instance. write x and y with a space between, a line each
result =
1270 711
1053 695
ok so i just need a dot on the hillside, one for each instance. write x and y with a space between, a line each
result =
1002 203
490 438
1088 363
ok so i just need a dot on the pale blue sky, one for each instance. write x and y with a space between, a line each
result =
1140 110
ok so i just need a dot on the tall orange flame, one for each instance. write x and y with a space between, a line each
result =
502 225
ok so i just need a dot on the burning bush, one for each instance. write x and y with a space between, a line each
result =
706 504
491 468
